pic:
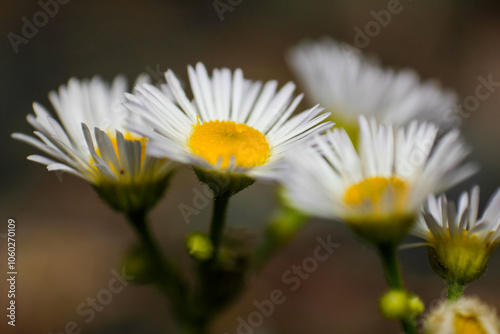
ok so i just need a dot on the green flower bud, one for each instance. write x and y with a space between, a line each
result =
394 304
400 304
199 246
137 263
416 305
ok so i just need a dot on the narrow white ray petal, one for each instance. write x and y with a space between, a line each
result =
275 108
480 229
180 96
463 211
492 211
198 95
435 228
67 169
452 223
288 112
247 102
237 96
106 148
40 159
126 159
473 206
414 245
265 97
206 91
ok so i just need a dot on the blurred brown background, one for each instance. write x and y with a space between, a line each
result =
68 241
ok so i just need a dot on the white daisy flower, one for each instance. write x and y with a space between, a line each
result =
232 126
107 158
379 190
465 316
460 244
349 84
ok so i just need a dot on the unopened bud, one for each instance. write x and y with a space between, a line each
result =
199 246
400 304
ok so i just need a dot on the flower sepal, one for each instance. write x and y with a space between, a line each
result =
223 183
381 230
133 197
459 259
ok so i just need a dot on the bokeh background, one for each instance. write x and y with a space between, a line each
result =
69 242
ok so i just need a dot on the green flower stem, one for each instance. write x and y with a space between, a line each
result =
169 280
194 328
455 291
218 222
206 297
395 280
391 266
409 326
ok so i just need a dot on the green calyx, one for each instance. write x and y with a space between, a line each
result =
459 259
222 183
133 197
378 230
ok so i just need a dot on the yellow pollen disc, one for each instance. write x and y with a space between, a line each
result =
468 324
462 242
223 140
375 190
127 136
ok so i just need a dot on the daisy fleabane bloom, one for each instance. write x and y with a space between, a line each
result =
468 315
459 243
91 142
348 84
379 190
231 126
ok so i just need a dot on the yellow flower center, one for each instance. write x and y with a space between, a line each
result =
377 210
374 193
468 324
223 140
